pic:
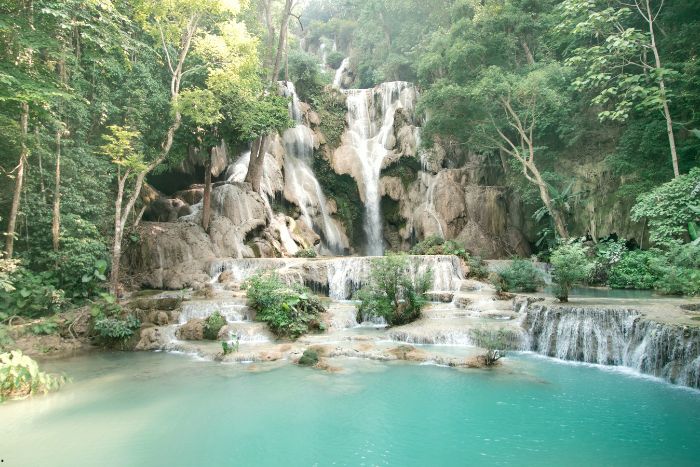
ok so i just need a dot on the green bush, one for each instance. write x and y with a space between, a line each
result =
671 209
391 293
334 59
635 270
309 358
288 310
213 324
306 253
607 254
44 328
32 294
112 325
679 271
520 276
571 266
435 245
20 377
305 73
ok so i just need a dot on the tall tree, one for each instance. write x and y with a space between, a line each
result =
620 58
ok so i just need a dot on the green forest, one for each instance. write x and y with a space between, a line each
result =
579 105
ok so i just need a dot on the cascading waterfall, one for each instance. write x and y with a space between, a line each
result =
300 181
342 69
615 337
371 122
339 278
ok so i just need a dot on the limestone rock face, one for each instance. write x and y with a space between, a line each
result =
193 330
173 255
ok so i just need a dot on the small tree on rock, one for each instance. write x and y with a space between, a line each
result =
571 266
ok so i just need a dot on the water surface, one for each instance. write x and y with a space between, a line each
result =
159 409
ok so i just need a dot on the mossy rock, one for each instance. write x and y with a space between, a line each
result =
309 358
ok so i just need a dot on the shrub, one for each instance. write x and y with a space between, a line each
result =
213 324
607 254
335 59
679 271
520 276
309 358
571 266
306 253
635 270
288 310
494 342
112 325
44 328
391 293
230 348
31 294
20 377
671 209
477 267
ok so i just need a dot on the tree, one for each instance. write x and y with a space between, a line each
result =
393 292
672 210
571 266
620 60
121 146
514 109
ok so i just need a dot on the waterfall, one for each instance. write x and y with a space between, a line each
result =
342 69
339 278
301 184
371 132
615 337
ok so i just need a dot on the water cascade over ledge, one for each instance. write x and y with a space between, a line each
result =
371 127
614 337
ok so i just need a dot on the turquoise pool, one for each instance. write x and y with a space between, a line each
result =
154 409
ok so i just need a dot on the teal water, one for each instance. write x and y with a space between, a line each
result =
154 409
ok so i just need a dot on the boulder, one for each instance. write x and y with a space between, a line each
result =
193 330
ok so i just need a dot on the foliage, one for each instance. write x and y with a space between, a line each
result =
304 72
343 189
307 253
607 254
679 271
288 310
227 348
331 108
571 266
7 268
335 59
670 209
112 325
520 276
34 294
309 358
435 245
20 377
635 270
494 342
394 291
46 327
213 324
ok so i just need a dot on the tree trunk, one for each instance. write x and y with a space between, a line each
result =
528 53
283 39
17 195
270 55
256 165
662 92
118 234
559 223
206 200
56 218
